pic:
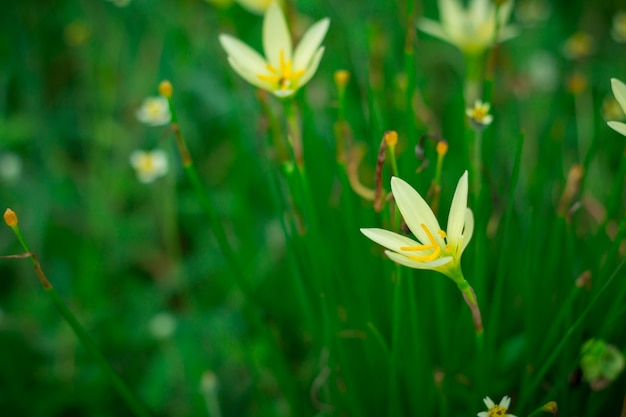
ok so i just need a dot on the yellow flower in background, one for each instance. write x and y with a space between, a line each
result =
619 91
578 46
284 70
618 31
437 250
496 410
149 165
472 30
256 6
479 114
154 111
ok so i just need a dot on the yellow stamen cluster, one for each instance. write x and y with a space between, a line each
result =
497 411
432 245
283 75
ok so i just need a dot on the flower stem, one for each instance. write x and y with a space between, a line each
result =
470 298
123 390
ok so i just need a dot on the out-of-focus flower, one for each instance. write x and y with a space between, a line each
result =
577 83
437 250
149 165
543 71
479 114
284 70
601 363
496 410
120 3
257 6
618 31
76 33
532 12
472 30
10 167
611 110
619 91
578 46
162 326
154 111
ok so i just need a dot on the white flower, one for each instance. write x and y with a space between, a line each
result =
149 165
618 30
154 111
256 6
284 70
437 250
619 91
472 30
10 167
479 114
498 410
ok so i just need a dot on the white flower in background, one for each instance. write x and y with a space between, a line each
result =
496 410
149 165
10 167
472 30
437 250
533 12
257 6
619 91
479 114
543 71
154 111
618 31
284 70
162 326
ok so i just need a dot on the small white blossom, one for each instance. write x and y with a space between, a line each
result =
149 165
154 111
479 114
496 410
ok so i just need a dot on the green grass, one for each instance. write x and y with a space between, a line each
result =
306 316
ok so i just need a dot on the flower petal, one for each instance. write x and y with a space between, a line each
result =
619 91
415 211
505 401
310 71
456 218
389 240
276 37
309 44
247 58
251 77
488 402
618 127
406 261
468 231
433 29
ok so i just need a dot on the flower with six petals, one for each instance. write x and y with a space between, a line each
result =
437 250
284 70
496 410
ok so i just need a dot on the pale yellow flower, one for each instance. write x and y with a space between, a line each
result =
284 70
472 30
149 165
618 31
435 249
479 114
578 46
154 111
619 91
256 6
496 410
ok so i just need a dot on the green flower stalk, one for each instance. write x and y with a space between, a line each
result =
123 390
435 249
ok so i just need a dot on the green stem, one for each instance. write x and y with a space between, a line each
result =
123 390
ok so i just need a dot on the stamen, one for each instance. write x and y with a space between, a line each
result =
282 75
432 245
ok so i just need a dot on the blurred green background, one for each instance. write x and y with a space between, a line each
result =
139 264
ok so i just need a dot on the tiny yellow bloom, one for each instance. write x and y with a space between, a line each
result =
619 91
472 30
437 250
578 46
496 410
479 114
149 165
284 70
154 111
10 218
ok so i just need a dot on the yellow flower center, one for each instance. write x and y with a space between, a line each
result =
154 108
479 113
432 245
146 164
282 75
497 411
